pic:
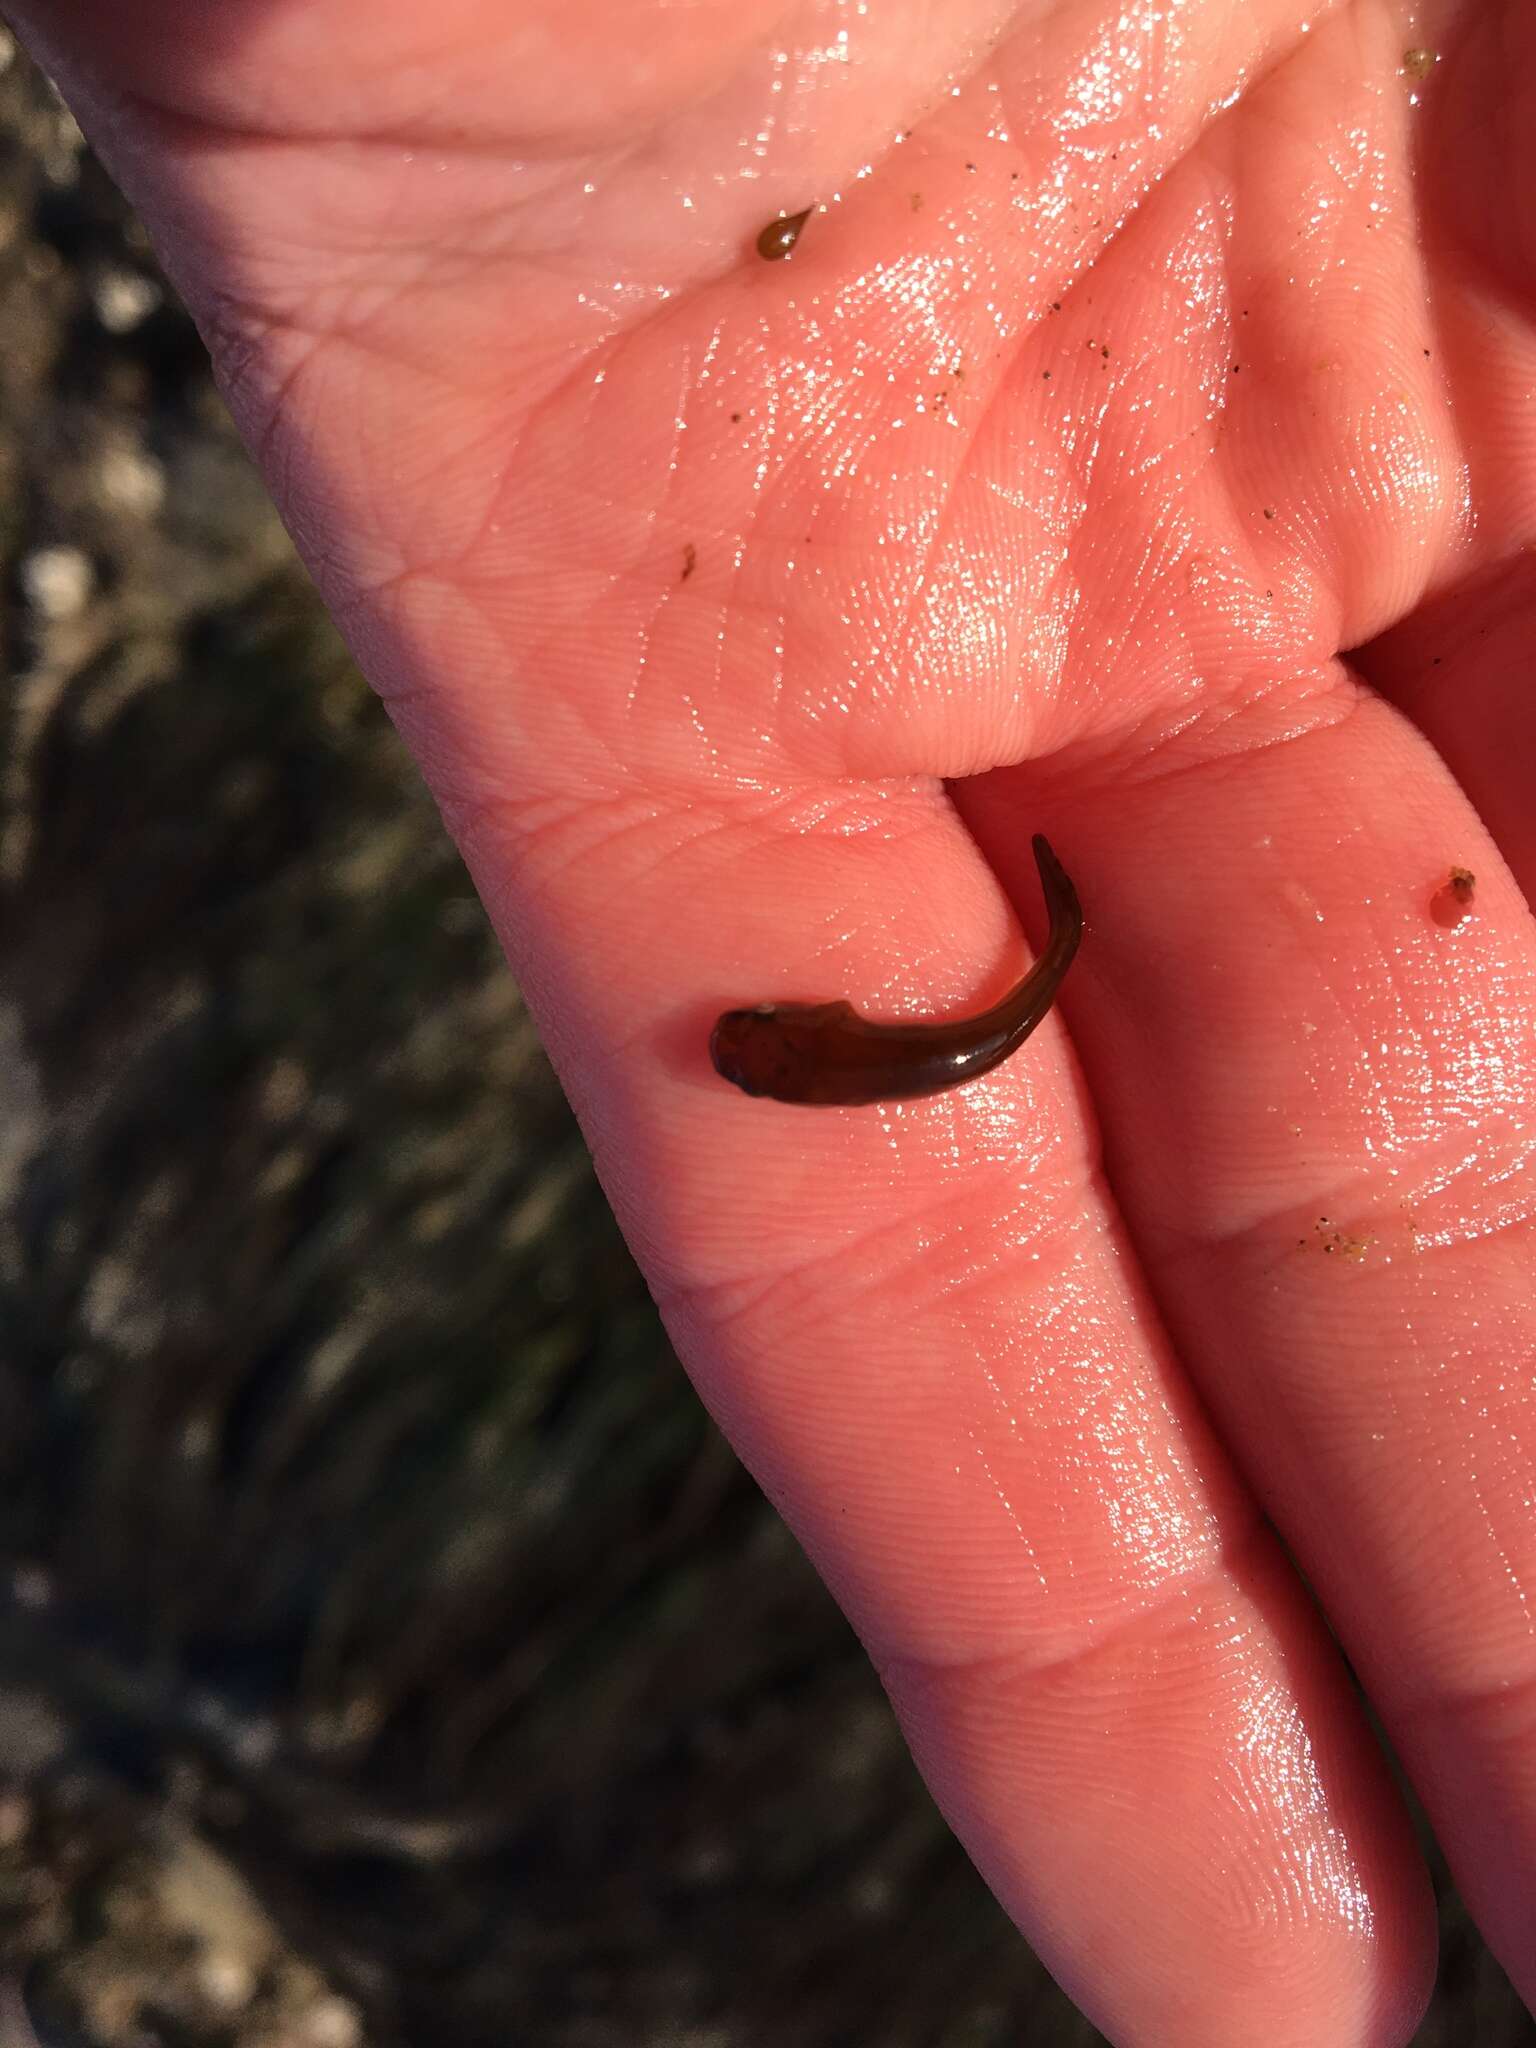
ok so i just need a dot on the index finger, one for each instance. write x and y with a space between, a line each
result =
923 1328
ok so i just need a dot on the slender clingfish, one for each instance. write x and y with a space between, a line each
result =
827 1052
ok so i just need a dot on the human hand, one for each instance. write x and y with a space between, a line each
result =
748 618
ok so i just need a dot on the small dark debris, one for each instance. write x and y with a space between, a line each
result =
1451 904
778 238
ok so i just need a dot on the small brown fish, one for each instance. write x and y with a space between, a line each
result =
828 1053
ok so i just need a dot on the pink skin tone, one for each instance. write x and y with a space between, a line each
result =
1138 364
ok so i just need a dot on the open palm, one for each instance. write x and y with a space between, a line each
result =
749 617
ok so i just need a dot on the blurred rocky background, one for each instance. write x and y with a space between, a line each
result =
390 1650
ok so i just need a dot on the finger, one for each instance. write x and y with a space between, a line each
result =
1460 669
1324 1105
920 1327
